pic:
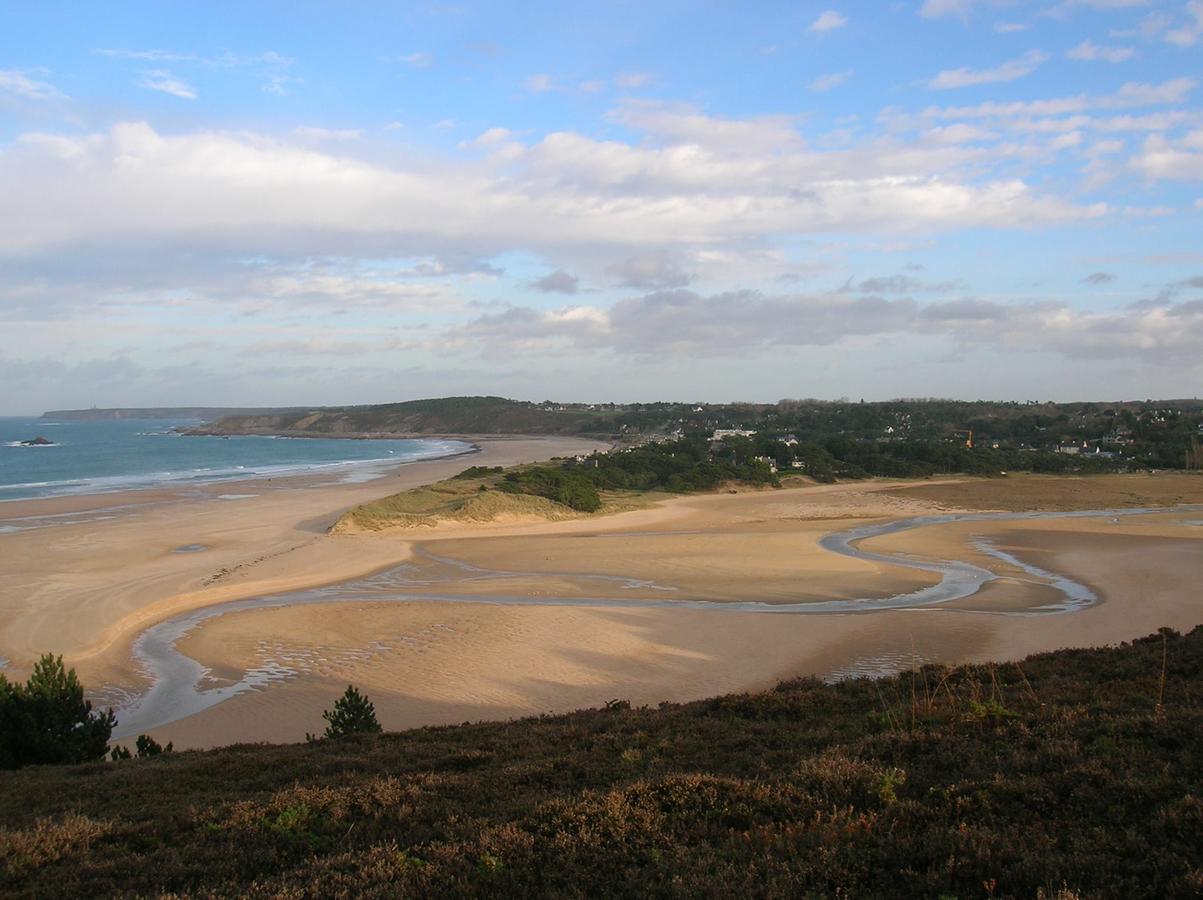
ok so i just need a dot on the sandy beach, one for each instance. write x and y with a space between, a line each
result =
88 590
85 589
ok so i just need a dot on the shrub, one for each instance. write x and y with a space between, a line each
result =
146 746
353 713
47 720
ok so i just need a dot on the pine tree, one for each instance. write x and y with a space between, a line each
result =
353 713
47 720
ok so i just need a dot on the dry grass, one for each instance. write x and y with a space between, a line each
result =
462 500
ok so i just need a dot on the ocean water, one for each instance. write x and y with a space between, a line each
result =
130 454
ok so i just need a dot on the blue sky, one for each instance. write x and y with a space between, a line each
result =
332 203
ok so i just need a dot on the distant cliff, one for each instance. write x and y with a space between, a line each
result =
206 413
446 415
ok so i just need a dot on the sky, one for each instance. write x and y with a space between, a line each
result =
302 203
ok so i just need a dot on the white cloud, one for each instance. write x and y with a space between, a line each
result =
1161 157
632 80
266 59
828 20
1011 27
958 133
1191 31
278 84
1131 95
938 9
1011 70
418 60
166 83
1088 51
25 84
830 80
1068 6
309 133
692 181
1147 212
147 55
538 84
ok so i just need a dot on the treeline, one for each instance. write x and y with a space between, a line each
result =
681 466
696 463
839 456
1160 434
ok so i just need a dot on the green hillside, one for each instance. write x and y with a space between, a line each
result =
903 438
1075 774
444 415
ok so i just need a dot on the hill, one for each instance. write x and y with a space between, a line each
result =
204 413
444 415
838 438
1071 774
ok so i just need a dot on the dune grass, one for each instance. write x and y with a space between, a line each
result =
1074 774
476 496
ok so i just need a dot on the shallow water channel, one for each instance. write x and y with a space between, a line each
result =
176 691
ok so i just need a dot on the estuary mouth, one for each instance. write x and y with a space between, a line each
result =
177 690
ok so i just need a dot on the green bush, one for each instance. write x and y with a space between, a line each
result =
353 713
47 719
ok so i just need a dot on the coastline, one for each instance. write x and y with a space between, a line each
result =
84 589
135 485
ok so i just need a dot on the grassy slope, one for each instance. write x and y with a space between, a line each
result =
448 502
1083 784
460 499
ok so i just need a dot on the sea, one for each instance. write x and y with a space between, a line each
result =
95 457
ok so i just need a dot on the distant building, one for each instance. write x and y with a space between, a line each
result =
768 461
721 433
1069 449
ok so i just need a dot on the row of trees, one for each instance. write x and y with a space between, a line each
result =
680 466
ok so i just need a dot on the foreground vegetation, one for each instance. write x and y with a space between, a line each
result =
1072 774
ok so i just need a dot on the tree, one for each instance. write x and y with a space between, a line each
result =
353 713
146 745
47 720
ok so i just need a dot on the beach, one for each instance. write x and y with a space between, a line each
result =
84 589
596 619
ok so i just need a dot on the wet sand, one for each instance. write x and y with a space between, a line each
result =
437 663
85 590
